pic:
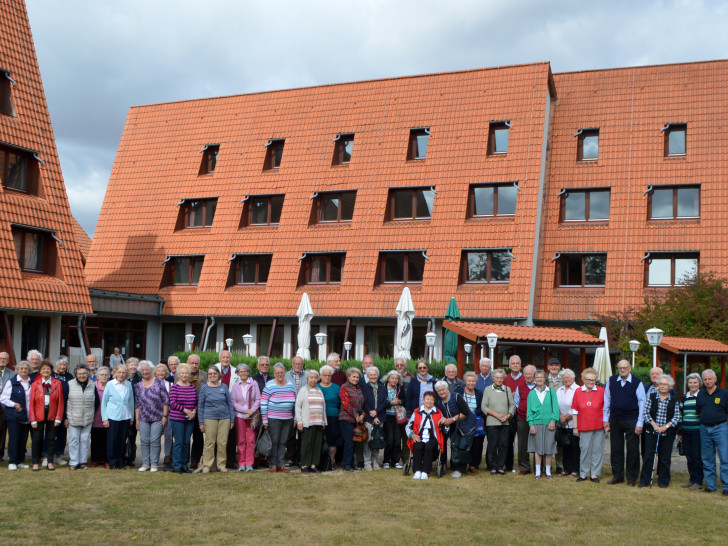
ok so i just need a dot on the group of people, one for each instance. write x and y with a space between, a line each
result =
320 419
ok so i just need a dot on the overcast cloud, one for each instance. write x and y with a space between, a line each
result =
98 58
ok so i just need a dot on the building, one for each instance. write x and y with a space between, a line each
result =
43 293
533 198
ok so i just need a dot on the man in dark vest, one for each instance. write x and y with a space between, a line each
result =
520 397
624 404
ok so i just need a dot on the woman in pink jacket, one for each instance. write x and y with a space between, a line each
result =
245 395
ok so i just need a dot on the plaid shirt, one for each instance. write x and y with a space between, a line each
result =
662 405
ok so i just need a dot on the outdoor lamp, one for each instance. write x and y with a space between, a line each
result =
247 340
430 338
321 338
229 342
190 339
634 346
347 348
654 337
468 347
492 341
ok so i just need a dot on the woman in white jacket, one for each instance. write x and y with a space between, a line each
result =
310 420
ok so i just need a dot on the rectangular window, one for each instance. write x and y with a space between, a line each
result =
6 94
343 146
588 146
18 170
418 143
675 139
401 267
411 203
322 268
35 249
498 133
335 206
209 159
492 199
485 266
262 210
581 270
250 269
585 205
273 154
670 269
196 213
183 271
674 202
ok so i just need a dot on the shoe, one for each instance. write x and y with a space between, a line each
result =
154 469
357 467
44 462
204 470
456 474
106 465
664 486
72 467
375 466
631 483
250 468
283 469
367 467
559 470
194 466
168 461
143 469
305 470
272 470
290 463
501 472
537 476
614 481
348 469
398 465
417 476
524 472
35 468
242 468
493 472
549 477
725 492
187 470
94 464
640 486
385 466
12 466
581 479
223 469
424 476
595 480
706 490
23 466
686 485
314 470
695 486
61 462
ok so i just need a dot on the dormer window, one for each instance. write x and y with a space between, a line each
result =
19 170
588 145
343 146
675 139
418 140
273 154
498 134
196 213
209 159
35 248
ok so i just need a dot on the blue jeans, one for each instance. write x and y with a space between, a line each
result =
711 440
347 433
181 430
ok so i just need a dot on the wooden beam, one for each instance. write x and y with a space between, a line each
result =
7 333
273 336
673 365
582 358
460 357
722 372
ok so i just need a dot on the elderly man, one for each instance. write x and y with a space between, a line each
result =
92 363
712 407
198 378
34 358
6 374
451 378
400 364
172 363
297 377
228 377
367 361
553 378
513 380
520 397
485 379
624 405
338 377
262 376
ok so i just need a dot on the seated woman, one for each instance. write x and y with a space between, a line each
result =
425 436
542 414
662 415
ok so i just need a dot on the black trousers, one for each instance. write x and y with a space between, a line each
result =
98 445
130 455
17 440
664 454
293 446
116 437
512 428
423 454
393 448
476 451
232 447
621 432
3 432
45 431
572 454
198 443
524 460
497 451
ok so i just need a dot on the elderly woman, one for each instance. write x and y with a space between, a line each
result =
423 382
499 408
162 372
60 372
332 397
115 358
350 415
662 415
98 431
15 399
182 413
217 418
425 436
375 407
245 396
277 403
117 411
565 396
83 400
542 414
689 432
310 420
461 423
586 410
474 398
395 398
46 413
151 403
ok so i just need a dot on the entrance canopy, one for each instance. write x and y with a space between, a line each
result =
696 350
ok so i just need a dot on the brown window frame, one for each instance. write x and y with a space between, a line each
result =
31 171
672 256
7 104
305 272
248 210
413 148
183 219
168 278
405 254
584 256
236 265
489 251
49 251
318 210
582 134
675 127
675 189
274 154
209 159
587 204
493 127
391 204
496 213
342 139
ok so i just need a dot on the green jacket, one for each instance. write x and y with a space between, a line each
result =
542 414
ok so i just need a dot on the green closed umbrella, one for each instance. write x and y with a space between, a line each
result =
451 338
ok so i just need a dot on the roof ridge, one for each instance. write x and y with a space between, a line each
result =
616 68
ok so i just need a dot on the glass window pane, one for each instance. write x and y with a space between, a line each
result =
571 271
403 204
416 268
318 268
662 203
16 172
688 202
659 272
247 270
259 210
195 216
330 208
590 147
278 154
575 206
393 267
599 205
483 196
210 212
685 269
477 266
425 199
276 207
337 266
676 142
196 270
264 267
500 267
182 271
347 205
421 141
501 140
507 200
213 159
348 146
596 270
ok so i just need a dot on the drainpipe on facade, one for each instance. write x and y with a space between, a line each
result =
207 332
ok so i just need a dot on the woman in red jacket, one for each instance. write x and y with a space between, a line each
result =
46 412
586 409
425 436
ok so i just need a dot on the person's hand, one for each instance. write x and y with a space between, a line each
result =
232 426
265 425
606 426
373 413
248 414
377 421
552 425
164 421
65 423
34 425
532 430
202 429
679 437
655 427
576 432
395 402
504 418
416 438
300 426
18 407
638 430
106 424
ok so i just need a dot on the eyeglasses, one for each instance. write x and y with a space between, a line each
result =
420 369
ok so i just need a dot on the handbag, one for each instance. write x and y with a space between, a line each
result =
680 448
360 433
256 420
377 439
263 445
400 413
479 428
563 436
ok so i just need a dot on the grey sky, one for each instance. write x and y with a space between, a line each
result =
98 58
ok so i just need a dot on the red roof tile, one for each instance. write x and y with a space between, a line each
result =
84 241
477 331
693 345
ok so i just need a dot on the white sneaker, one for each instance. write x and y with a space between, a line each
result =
417 475
456 474
12 466
250 468
242 468
398 465
44 462
368 467
385 466
143 469
21 465
62 462
423 476
375 466
154 469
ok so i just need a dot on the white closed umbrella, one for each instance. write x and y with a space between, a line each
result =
403 334
304 314
602 364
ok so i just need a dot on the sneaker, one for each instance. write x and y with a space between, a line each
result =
398 465
204 470
44 462
23 466
283 469
385 466
61 462
249 468
272 469
154 469
375 466
367 467
456 474
424 476
223 469
143 469
242 468
417 476
12 466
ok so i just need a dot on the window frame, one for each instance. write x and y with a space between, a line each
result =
675 189
169 277
391 199
675 127
305 271
248 210
587 203
273 159
236 269
559 267
582 134
183 222
489 251
342 139
493 128
7 104
48 254
319 209
210 155
672 256
405 254
496 213
30 169
412 146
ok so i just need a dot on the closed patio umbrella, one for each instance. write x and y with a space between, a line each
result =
450 345
304 314
602 364
403 335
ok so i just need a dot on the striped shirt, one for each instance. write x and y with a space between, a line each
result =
688 407
277 402
316 408
181 398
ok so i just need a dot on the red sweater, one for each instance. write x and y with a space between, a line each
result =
37 401
590 416
514 383
523 392
436 416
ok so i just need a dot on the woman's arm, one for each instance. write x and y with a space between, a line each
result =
254 398
202 400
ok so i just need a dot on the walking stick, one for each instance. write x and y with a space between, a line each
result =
652 474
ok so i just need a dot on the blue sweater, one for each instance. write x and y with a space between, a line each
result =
215 403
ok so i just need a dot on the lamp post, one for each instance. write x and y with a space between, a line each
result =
347 348
190 339
247 340
430 338
654 337
468 347
321 340
492 341
229 343
634 346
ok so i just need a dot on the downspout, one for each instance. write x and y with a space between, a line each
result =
207 332
79 329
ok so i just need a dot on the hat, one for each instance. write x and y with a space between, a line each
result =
554 360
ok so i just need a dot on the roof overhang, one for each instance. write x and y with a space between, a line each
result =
107 301
523 335
693 346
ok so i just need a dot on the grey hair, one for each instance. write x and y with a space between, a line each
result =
499 372
351 371
81 366
539 372
224 351
103 369
34 352
670 380
695 375
279 365
325 368
132 359
469 374
451 365
61 359
441 384
530 366
400 358
370 368
484 360
161 365
333 356
708 371
391 373
23 363
262 358
146 363
569 372
243 367
510 360
173 357
313 372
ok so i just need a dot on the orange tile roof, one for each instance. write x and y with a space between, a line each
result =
84 241
31 129
477 331
693 345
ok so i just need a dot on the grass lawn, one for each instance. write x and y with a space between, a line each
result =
113 507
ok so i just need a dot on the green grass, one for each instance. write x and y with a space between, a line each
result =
111 507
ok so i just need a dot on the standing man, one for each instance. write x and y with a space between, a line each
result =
297 377
338 377
452 379
92 363
262 376
134 377
34 358
198 378
624 406
553 379
712 407
485 379
6 374
229 376
513 380
367 361
172 363
521 400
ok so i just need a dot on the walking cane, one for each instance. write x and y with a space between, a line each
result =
652 474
